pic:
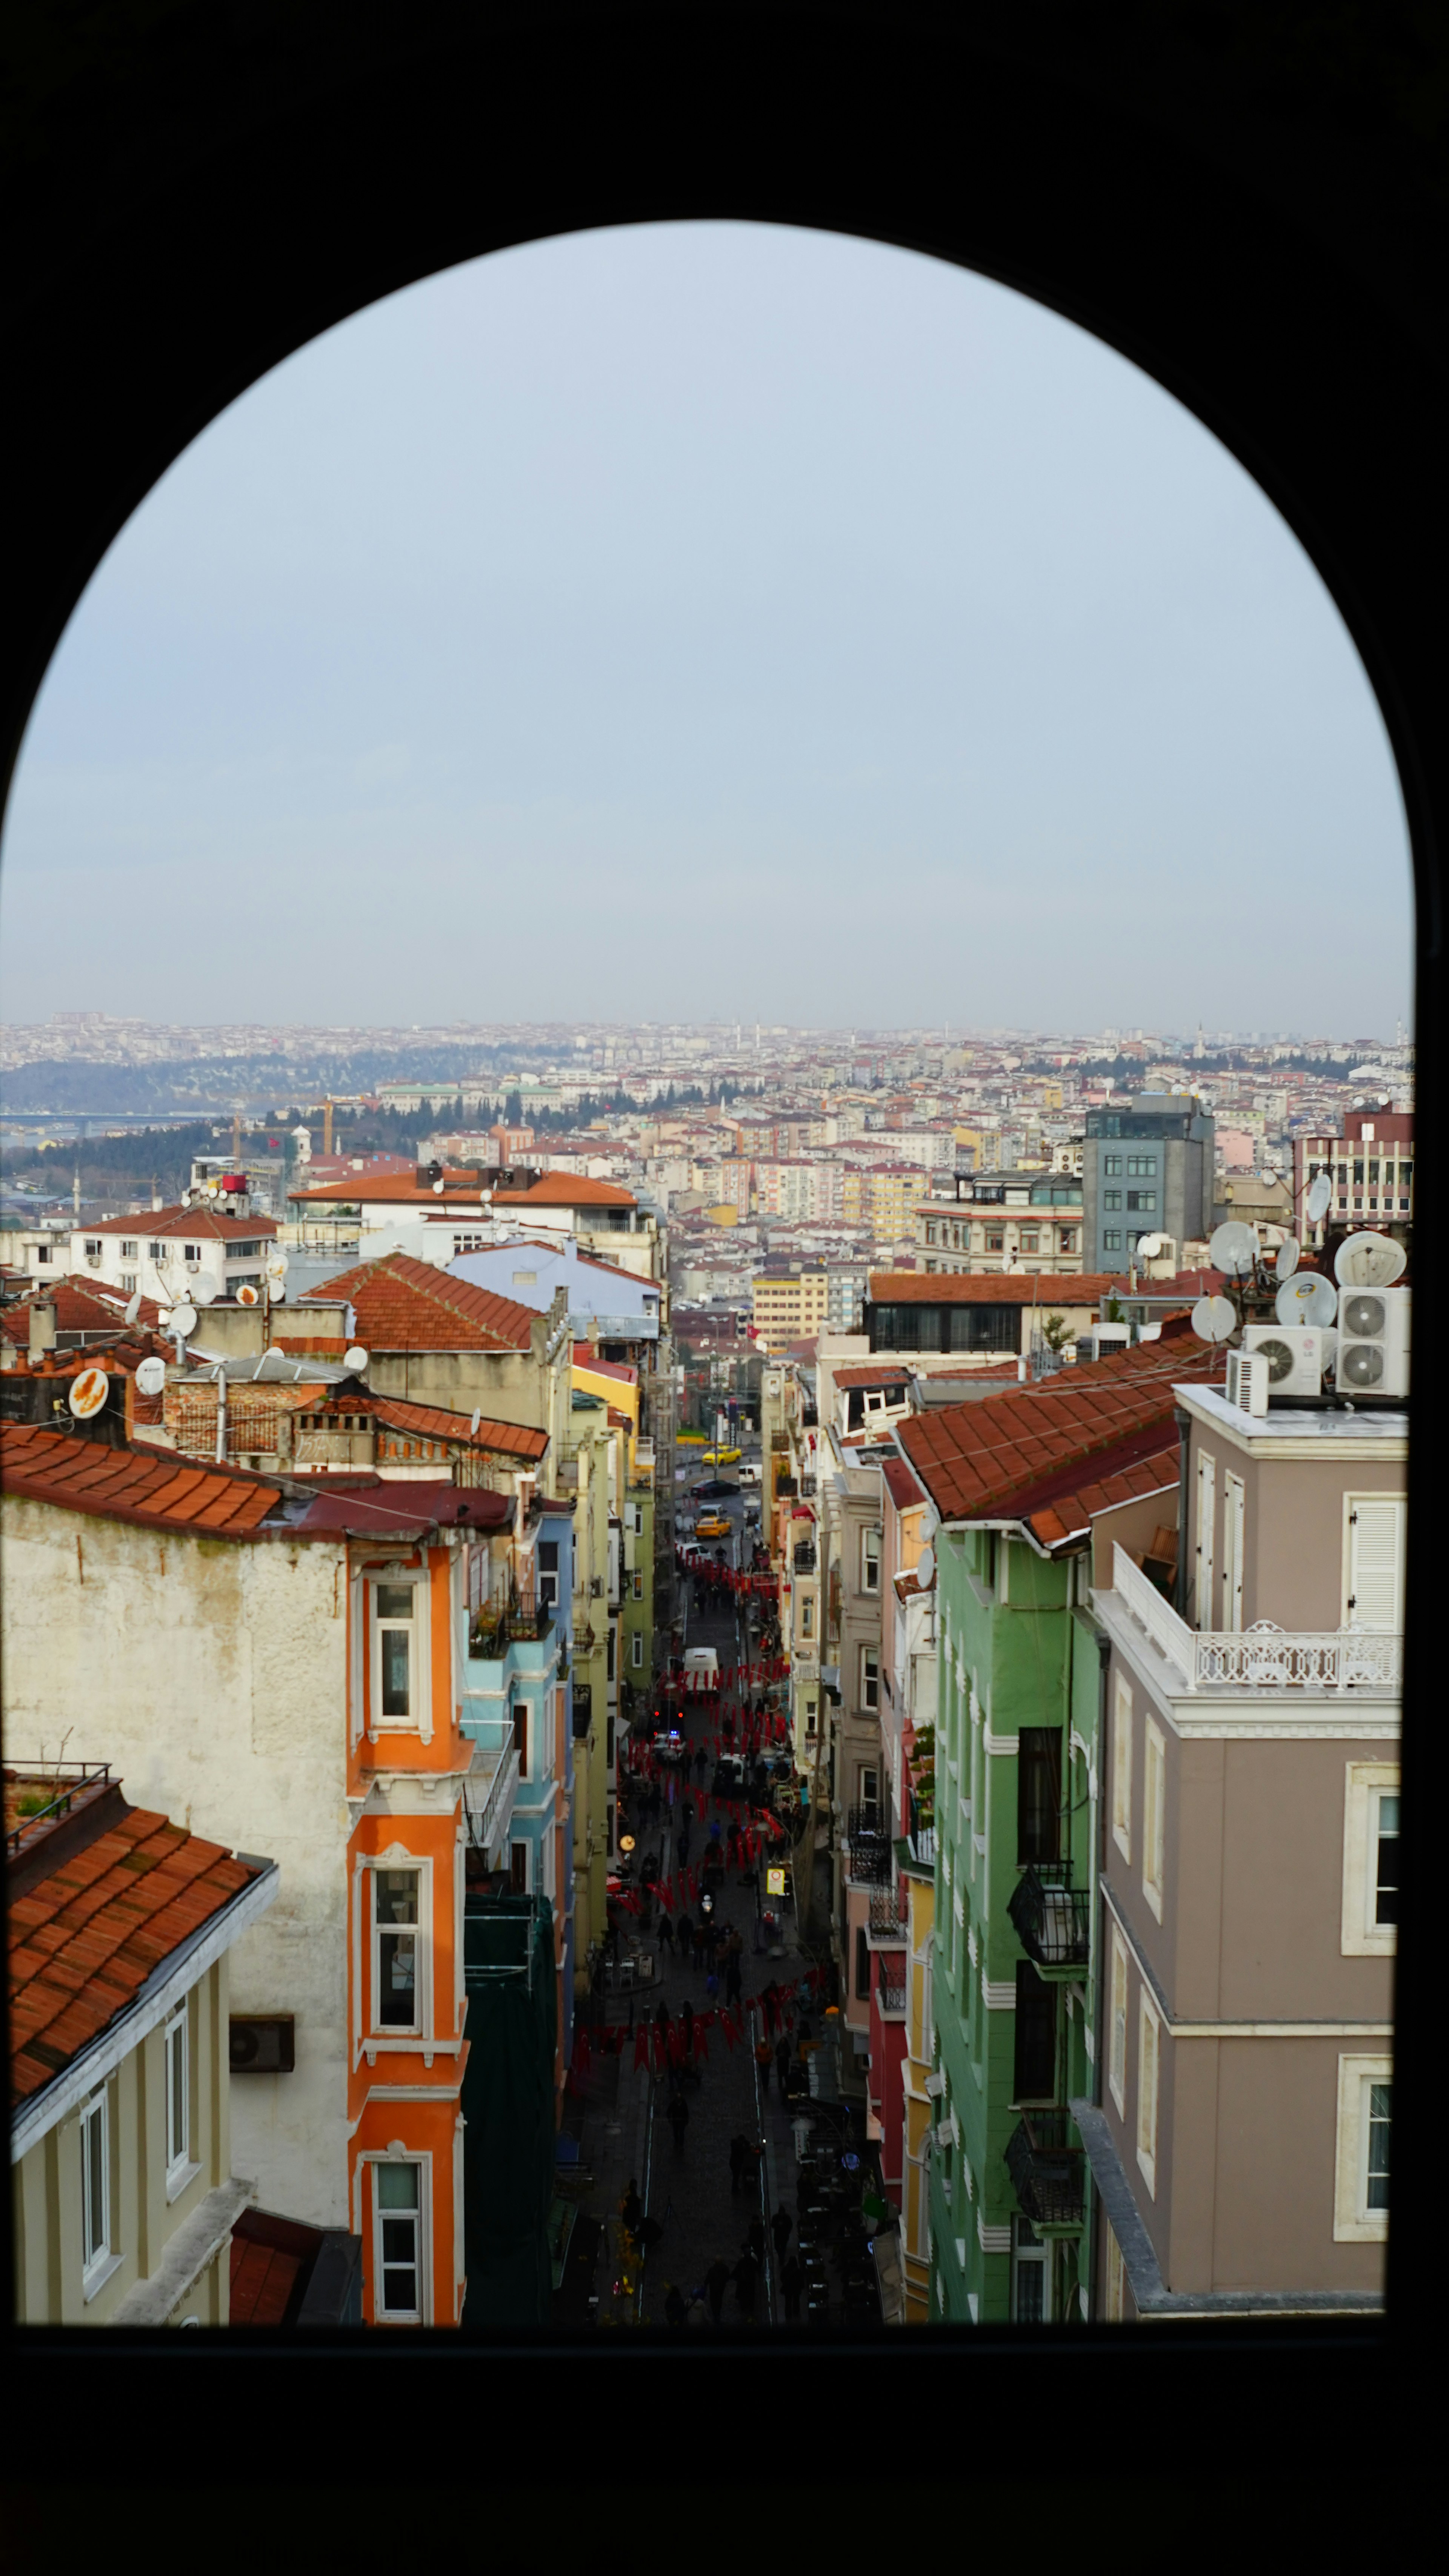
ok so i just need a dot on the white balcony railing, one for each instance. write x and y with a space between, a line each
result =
489 1801
1263 1657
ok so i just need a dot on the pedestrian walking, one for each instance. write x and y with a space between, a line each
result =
782 2062
684 1933
781 2228
701 1945
732 1979
716 2282
700 1760
677 2114
792 2282
631 2207
755 2238
746 2276
666 1933
764 2059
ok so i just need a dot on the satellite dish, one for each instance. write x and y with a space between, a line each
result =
277 1266
1287 1260
247 1295
355 1359
1213 1318
438 1188
88 1393
203 1292
926 1566
930 1523
182 1320
1149 1247
473 1425
133 1309
277 1290
1369 1261
1233 1249
1307 1298
151 1377
1320 1195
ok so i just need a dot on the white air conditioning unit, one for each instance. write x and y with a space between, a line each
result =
1296 1354
1373 1341
1107 1338
935 2087
1247 1385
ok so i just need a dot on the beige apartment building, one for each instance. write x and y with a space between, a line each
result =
789 1306
1031 1223
1240 2142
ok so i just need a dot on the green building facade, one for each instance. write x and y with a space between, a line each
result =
1016 1772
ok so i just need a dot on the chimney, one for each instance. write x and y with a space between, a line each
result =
42 1328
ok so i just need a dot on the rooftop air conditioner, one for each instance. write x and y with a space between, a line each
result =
1107 1338
1247 1385
1373 1341
1297 1355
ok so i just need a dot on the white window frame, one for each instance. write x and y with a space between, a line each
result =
870 1546
1235 1498
1154 1815
422 2314
1366 1784
177 2047
1207 1475
129 1250
1122 1767
1149 2086
1397 1504
636 1650
97 2259
1120 1996
420 2028
1031 2258
1354 2223
419 1719
870 1680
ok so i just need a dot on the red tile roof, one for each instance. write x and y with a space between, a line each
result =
873 1377
406 1509
84 1941
393 1189
434 1422
991 1460
160 1491
193 1222
563 1189
992 1288
586 1358
1070 1515
406 1305
261 2282
80 1307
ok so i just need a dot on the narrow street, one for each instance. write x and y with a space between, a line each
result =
697 2212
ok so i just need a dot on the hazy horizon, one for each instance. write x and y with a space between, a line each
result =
727 610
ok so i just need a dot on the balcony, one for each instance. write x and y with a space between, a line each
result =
1048 2172
488 1795
890 1994
804 1559
1052 1918
888 1916
1262 1659
868 1860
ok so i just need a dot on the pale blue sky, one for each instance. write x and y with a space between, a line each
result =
707 618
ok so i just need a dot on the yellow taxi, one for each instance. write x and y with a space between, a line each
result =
722 1457
712 1525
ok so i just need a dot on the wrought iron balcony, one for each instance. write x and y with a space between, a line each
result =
868 1862
1048 2171
867 1819
891 1994
1052 1919
805 1557
888 1915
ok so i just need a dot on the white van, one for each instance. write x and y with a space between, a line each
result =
750 1472
701 1669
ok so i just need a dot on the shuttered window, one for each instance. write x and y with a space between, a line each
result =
1035 2067
1206 1509
1374 1561
1038 1793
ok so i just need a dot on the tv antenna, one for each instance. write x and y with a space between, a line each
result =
1214 1319
88 1393
1369 1261
1308 1298
1234 1249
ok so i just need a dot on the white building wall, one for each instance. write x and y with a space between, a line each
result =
212 1675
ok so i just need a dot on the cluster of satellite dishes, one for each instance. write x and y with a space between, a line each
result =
1357 1329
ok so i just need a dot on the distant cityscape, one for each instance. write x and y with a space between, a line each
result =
663 1664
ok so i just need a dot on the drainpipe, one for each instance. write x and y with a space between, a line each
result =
221 1417
42 1329
1099 1861
1183 1420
